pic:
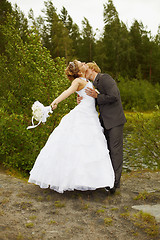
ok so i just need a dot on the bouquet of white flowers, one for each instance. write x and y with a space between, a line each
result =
40 113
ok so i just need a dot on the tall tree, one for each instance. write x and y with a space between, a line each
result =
125 51
5 7
111 37
87 42
155 58
55 37
142 56
100 55
136 43
21 22
73 31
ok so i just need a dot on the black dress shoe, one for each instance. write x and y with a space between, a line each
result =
112 190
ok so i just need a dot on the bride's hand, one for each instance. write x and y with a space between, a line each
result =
79 99
53 105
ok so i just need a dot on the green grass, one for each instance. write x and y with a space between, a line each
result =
58 204
142 196
143 221
29 225
108 221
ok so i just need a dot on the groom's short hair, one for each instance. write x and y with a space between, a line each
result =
94 66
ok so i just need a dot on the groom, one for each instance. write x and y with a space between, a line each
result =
112 117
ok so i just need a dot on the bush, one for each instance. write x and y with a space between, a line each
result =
142 141
19 146
139 95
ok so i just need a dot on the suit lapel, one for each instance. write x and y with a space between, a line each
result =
96 81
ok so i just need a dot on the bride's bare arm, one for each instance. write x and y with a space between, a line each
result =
74 86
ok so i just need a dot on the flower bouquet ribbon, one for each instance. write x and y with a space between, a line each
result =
40 113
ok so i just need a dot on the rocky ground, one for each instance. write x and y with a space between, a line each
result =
28 212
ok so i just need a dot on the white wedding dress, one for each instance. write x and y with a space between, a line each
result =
75 155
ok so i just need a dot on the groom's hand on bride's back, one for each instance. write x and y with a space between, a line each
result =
79 99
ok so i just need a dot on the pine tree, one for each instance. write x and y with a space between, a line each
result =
87 42
73 31
5 7
55 34
111 39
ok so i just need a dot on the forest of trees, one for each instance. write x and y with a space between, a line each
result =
132 53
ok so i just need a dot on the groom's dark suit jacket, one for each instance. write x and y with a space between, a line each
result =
109 101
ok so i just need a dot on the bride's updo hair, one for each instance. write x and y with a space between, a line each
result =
72 71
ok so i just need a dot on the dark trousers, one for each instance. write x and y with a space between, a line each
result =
114 137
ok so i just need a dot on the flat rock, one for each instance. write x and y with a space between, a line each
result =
154 210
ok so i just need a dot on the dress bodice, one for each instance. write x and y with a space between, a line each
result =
86 99
82 92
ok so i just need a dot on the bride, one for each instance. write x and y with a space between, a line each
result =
75 155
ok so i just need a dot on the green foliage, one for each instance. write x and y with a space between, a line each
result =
28 73
74 34
111 38
19 146
117 50
128 51
138 94
142 145
146 222
87 42
55 34
5 7
143 221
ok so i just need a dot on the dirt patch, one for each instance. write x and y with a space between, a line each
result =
28 212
